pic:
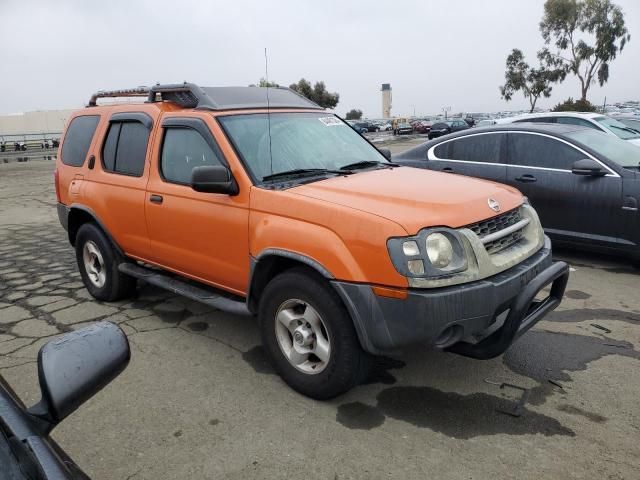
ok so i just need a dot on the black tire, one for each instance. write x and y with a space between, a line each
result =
348 364
116 285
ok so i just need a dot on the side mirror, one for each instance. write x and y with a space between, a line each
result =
213 179
386 153
76 366
588 167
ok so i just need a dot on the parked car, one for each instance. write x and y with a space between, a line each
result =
71 369
397 121
404 128
423 126
448 126
585 184
386 127
596 121
486 123
292 216
358 126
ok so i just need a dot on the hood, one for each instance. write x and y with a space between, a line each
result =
415 198
635 141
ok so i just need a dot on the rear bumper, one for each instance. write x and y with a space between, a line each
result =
442 317
63 215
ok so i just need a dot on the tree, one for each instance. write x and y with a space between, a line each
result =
533 82
575 106
264 83
318 93
354 114
598 21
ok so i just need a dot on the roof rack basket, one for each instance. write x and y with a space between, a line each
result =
190 95
187 95
129 92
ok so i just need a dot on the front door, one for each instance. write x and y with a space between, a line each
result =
200 235
570 206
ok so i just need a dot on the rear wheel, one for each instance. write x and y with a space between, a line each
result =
98 264
310 337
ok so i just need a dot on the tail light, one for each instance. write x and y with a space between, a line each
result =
56 179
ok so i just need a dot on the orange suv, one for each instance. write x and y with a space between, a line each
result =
258 202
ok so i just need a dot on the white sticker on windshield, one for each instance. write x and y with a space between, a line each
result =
331 121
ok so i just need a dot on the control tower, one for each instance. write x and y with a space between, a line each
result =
386 100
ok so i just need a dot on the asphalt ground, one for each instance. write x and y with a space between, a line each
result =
200 400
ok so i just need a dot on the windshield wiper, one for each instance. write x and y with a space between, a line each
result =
302 172
366 164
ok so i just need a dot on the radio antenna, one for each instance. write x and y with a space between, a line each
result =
266 75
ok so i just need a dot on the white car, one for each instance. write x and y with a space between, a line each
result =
597 121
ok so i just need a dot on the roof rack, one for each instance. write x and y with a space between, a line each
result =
129 92
190 95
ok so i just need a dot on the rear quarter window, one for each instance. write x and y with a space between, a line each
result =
477 148
78 139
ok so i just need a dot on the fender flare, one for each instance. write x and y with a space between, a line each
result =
361 331
92 214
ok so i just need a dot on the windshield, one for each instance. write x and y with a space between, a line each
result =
618 128
298 141
623 153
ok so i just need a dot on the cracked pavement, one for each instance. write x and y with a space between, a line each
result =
200 400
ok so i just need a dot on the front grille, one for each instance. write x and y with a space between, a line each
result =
496 224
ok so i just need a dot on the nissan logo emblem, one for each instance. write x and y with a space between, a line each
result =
494 205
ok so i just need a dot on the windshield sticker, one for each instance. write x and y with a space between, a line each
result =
331 121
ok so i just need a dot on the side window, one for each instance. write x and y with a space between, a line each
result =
442 151
477 148
541 151
577 121
125 148
537 120
78 139
183 149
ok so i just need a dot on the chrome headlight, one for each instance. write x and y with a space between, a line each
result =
439 250
433 252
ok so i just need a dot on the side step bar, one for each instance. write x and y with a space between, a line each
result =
208 296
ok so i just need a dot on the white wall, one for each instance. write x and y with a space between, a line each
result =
50 121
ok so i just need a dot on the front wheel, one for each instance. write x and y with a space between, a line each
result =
310 337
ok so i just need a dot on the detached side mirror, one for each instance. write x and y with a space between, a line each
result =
386 153
76 366
213 179
588 167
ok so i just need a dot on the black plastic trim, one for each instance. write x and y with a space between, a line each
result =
142 117
99 222
385 324
295 256
523 314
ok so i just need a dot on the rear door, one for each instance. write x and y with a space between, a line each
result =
572 206
631 208
118 178
479 155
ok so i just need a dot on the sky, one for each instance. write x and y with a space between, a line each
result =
435 54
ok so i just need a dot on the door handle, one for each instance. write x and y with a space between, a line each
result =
155 198
630 204
447 169
526 179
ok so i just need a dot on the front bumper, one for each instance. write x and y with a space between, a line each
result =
443 317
